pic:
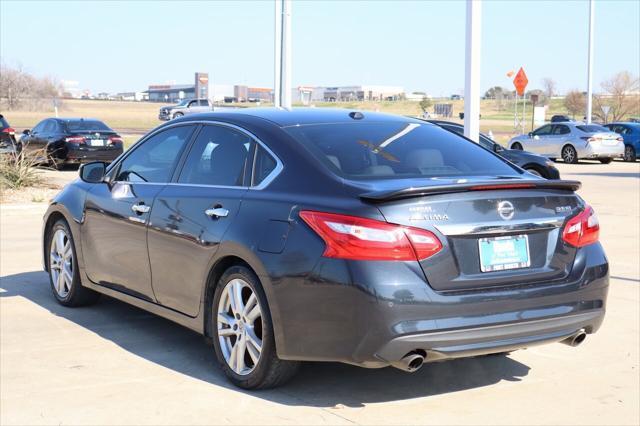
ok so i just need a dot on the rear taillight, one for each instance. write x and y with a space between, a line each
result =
357 238
583 229
619 139
75 139
9 130
588 139
113 140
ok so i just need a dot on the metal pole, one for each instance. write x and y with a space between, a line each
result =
277 52
524 111
472 71
592 5
285 72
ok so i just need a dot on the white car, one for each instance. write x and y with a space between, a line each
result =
572 141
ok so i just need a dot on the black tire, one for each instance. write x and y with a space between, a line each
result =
606 160
569 154
77 295
270 371
516 145
177 115
629 153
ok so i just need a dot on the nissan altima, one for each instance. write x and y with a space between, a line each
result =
329 235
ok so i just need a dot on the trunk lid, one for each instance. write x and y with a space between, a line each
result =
494 232
95 140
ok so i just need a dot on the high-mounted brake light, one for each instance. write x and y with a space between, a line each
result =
582 229
75 139
502 186
357 238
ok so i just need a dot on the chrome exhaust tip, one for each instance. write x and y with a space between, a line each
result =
576 339
411 362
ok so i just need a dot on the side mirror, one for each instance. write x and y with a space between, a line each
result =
497 148
93 172
26 132
530 134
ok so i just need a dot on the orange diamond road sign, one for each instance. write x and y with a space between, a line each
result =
520 82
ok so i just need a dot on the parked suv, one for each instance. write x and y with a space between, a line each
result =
185 107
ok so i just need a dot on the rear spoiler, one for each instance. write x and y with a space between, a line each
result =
396 194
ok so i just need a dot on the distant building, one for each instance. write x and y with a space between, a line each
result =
416 96
176 92
132 96
356 93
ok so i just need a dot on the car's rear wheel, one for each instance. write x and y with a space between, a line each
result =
516 145
242 330
606 160
64 275
629 153
569 154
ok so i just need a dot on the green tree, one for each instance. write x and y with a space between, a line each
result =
425 104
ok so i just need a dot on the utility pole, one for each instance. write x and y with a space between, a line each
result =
472 71
282 58
592 5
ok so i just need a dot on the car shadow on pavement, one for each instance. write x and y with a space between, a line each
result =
324 385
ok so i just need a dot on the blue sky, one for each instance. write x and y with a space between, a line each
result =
120 46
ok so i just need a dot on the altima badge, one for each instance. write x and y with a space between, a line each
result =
506 210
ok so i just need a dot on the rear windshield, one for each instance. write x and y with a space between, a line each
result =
592 128
397 149
87 126
3 122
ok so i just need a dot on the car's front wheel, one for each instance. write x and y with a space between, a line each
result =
242 332
629 153
516 145
177 115
569 154
535 171
64 275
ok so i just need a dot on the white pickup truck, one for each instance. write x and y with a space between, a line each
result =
185 107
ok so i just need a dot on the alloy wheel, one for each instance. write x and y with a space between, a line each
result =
568 154
61 263
629 154
239 326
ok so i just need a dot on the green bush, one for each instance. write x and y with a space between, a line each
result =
19 170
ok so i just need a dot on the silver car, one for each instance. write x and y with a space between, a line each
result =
572 141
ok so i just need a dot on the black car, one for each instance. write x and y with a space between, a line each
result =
329 235
533 163
561 118
72 141
7 137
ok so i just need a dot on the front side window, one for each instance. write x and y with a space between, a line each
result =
39 127
543 131
154 160
204 102
218 157
397 150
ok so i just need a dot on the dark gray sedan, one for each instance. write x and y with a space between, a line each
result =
330 235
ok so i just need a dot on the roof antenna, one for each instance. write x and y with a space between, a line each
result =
356 115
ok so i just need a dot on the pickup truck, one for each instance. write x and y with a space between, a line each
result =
185 107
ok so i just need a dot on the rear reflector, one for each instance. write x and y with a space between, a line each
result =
583 229
75 139
357 238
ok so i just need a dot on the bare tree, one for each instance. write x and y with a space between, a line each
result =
549 87
20 88
575 102
620 95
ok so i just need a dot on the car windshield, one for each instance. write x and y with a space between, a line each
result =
592 128
87 126
397 150
183 102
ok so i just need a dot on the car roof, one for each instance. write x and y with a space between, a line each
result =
306 116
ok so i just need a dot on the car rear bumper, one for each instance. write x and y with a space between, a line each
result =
603 151
372 314
77 156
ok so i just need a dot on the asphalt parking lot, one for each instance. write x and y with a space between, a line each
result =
115 364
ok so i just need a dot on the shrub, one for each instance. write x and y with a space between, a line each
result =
19 171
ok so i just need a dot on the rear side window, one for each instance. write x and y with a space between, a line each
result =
560 129
263 166
155 159
397 150
3 123
218 157
592 128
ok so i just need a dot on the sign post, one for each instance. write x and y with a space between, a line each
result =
520 82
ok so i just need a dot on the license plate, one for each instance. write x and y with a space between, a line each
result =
610 142
96 142
502 253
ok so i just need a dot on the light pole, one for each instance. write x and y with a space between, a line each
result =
592 5
472 71
282 57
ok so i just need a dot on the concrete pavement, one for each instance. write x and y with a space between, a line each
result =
115 364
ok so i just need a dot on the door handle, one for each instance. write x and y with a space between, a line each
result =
217 212
140 208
